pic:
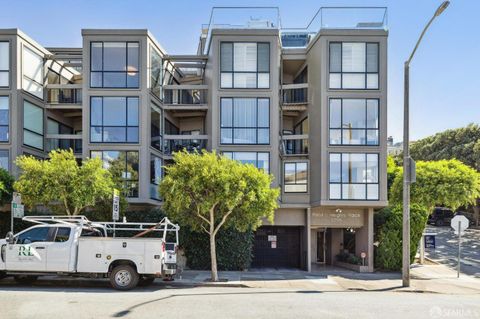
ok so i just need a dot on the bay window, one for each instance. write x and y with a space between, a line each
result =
354 121
245 65
155 176
4 118
155 73
156 128
114 119
32 72
32 125
124 167
354 65
244 121
353 176
4 64
114 64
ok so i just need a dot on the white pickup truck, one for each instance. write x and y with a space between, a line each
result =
74 246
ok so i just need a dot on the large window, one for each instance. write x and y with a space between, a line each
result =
54 127
258 159
245 121
354 121
32 125
354 176
156 127
353 65
114 64
155 176
4 118
124 166
114 119
4 159
295 177
155 73
244 65
32 81
4 64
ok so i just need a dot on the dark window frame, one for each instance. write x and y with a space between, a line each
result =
125 181
256 157
341 66
341 183
366 129
7 71
295 182
233 127
9 119
102 72
244 72
126 127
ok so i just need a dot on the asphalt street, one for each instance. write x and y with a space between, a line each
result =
446 250
163 301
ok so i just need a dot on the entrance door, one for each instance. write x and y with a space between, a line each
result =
321 246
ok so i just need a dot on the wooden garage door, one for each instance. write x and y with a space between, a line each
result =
287 251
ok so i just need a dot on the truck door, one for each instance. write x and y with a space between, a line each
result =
29 251
59 251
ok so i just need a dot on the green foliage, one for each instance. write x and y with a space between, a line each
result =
234 249
388 254
447 182
349 258
462 144
201 188
392 171
6 187
61 184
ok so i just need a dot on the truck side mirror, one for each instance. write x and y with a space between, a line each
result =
10 238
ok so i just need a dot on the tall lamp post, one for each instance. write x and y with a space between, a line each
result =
408 163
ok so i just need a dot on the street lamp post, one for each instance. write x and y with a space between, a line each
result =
407 161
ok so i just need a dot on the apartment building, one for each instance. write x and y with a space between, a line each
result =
307 105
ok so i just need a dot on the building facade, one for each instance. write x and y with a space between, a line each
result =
309 107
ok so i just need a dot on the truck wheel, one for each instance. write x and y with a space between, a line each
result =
124 277
2 275
439 222
146 281
25 280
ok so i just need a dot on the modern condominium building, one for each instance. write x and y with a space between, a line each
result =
307 105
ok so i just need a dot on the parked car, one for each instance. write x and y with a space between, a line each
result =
440 216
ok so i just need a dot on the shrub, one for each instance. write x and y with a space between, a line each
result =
388 254
234 249
349 258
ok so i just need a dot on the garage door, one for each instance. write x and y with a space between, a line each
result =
277 247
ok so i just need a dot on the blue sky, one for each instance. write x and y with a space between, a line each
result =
445 73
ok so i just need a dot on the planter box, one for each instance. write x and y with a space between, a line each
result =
357 268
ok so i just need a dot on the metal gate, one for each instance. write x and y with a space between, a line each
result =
277 247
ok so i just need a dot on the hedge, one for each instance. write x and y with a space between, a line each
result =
388 254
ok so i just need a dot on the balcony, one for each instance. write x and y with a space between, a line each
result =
295 145
190 143
64 96
295 97
185 97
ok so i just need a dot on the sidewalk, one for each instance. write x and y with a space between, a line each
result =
424 278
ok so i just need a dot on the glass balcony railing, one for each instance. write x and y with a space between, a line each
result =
185 96
64 96
295 93
294 146
190 145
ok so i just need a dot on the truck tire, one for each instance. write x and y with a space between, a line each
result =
439 222
124 277
146 281
25 279
2 275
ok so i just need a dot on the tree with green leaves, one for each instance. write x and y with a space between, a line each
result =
62 185
207 191
447 182
6 186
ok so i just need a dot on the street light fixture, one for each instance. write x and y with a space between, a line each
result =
408 163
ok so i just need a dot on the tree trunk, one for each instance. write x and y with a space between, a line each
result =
213 257
476 214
